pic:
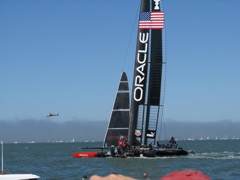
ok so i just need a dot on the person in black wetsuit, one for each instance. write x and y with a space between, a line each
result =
112 150
172 140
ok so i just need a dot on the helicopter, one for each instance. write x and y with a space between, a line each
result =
51 115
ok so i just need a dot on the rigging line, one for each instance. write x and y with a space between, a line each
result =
165 72
131 36
2 154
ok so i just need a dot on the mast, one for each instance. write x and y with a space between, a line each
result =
145 103
138 92
2 155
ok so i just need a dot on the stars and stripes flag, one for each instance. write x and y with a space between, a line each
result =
151 20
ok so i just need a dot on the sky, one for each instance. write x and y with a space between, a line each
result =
66 57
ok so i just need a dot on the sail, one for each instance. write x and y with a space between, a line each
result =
146 89
119 120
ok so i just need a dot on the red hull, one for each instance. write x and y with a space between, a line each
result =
85 154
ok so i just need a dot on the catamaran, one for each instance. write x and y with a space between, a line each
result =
133 129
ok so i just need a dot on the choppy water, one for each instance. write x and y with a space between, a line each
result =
53 161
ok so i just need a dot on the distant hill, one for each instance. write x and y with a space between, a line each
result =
80 130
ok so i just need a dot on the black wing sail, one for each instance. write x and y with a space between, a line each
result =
145 103
119 121
155 79
139 82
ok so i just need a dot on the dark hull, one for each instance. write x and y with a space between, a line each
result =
162 153
171 152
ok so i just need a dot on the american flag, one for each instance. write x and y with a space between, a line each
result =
151 20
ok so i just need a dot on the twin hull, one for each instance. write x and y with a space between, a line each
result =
154 153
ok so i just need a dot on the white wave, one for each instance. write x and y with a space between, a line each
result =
215 155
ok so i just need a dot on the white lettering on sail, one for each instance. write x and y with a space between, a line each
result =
140 90
144 58
140 69
138 81
142 38
140 75
152 134
156 4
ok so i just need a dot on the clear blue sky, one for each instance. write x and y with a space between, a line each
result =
66 57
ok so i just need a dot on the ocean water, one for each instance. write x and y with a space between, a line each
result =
219 159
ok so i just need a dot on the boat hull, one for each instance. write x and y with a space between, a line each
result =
153 153
85 154
18 176
171 152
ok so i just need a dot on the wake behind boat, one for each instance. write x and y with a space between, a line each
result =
134 130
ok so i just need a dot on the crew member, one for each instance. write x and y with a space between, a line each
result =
172 140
